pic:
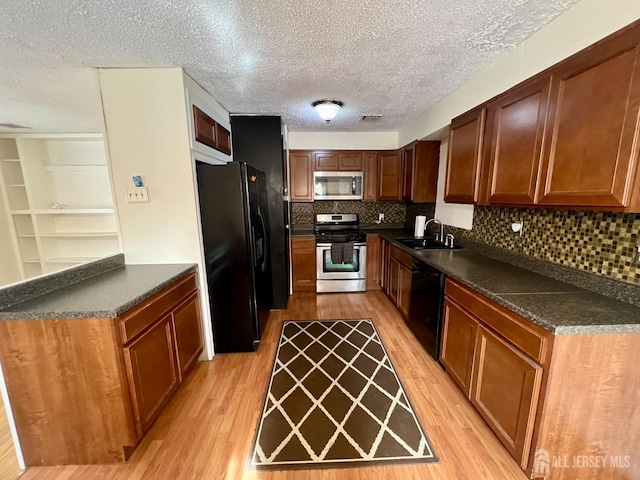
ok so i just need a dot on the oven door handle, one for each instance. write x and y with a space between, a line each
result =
328 245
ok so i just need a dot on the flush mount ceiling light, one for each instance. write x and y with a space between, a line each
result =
327 109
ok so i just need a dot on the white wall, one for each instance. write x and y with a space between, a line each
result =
343 140
147 130
454 214
9 271
581 25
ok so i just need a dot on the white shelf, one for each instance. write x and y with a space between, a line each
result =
78 234
72 259
19 185
31 260
20 212
74 211
11 160
76 168
27 235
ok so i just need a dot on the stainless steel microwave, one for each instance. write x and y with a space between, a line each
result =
337 186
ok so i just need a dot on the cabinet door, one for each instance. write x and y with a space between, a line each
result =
591 153
223 139
515 129
425 171
303 263
394 278
370 174
464 158
205 128
408 154
301 164
384 264
458 342
152 371
506 387
188 331
326 161
390 176
373 262
350 161
404 290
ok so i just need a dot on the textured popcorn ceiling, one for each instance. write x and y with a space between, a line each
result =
394 58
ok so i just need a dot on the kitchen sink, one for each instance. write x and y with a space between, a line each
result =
425 244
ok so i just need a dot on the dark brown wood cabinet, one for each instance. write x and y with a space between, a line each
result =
567 137
591 152
462 184
301 171
390 179
513 147
370 177
506 387
210 133
420 171
350 161
188 333
373 262
458 343
223 139
130 367
303 264
398 268
153 372
326 161
498 359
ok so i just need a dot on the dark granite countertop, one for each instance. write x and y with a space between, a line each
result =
107 295
556 306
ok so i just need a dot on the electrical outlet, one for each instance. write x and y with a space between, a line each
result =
380 217
137 195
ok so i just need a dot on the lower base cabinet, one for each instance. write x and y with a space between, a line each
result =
505 390
303 264
153 372
458 343
101 382
497 359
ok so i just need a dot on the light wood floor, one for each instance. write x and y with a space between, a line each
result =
9 468
207 429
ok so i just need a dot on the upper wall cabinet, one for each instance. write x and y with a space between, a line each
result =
390 179
591 150
370 174
332 160
462 184
325 161
301 171
568 137
210 133
420 171
513 147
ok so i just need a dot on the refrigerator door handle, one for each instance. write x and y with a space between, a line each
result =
265 242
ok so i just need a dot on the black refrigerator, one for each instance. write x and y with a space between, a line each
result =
235 230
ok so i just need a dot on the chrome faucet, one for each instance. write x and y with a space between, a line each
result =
439 237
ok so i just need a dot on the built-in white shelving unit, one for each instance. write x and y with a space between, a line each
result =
56 191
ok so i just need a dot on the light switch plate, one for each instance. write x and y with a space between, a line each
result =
137 195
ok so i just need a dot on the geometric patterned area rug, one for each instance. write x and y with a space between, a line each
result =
334 400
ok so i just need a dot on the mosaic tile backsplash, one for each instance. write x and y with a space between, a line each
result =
598 242
303 213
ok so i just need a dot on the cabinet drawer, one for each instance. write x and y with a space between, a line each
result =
403 257
139 318
529 338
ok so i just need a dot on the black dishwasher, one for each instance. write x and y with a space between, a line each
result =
425 313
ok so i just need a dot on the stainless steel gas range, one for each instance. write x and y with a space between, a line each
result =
341 253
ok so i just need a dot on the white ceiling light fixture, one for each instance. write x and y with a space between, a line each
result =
327 109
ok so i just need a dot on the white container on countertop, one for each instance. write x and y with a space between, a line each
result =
421 220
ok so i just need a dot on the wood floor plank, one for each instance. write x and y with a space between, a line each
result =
207 430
